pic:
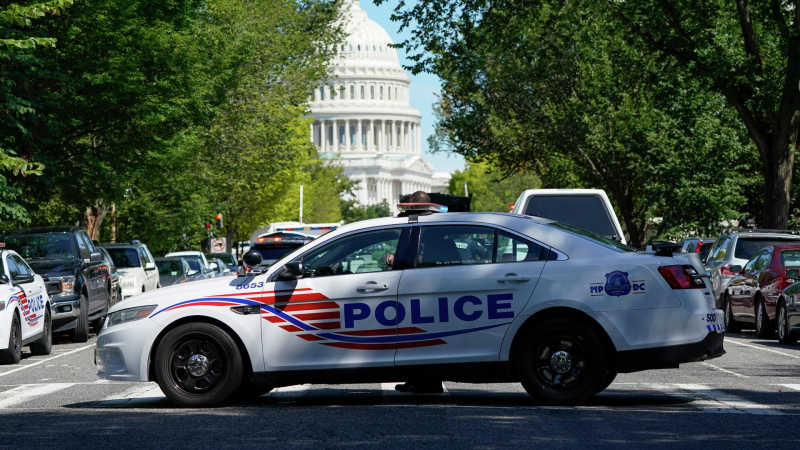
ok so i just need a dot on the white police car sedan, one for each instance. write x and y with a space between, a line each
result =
24 310
469 297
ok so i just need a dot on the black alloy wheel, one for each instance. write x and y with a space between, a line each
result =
731 325
13 353
81 331
562 362
764 326
198 365
44 345
784 334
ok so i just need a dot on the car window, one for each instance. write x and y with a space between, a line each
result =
125 257
372 251
610 244
143 254
512 248
763 260
749 266
747 247
790 258
582 211
147 256
41 246
13 270
89 243
721 249
455 245
170 268
194 264
22 266
84 250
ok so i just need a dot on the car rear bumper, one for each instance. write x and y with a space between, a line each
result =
670 357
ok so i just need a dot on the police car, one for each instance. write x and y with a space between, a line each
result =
24 310
470 297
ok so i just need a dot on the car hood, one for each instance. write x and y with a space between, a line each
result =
54 266
171 295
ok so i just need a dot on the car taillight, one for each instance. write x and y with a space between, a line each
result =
699 244
726 270
682 277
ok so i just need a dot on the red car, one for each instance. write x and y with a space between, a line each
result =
752 294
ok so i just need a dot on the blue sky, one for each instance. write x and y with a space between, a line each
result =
424 87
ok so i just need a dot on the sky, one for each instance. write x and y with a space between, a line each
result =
424 87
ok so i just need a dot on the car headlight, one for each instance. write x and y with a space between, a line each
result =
127 282
129 315
67 286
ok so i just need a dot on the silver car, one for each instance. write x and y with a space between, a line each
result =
735 247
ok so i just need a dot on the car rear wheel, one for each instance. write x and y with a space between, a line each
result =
731 325
198 365
45 344
562 362
81 331
784 334
13 353
764 326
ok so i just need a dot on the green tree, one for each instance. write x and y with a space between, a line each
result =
490 191
355 213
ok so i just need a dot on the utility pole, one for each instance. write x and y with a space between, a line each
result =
301 203
466 193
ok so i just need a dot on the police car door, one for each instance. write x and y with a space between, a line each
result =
341 313
29 295
468 284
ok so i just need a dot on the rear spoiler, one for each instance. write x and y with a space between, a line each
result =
662 248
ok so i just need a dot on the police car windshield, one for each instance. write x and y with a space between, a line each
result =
125 258
41 246
610 244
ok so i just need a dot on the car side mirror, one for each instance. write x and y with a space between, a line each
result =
292 270
213 265
3 278
95 257
191 273
23 279
252 259
150 266
793 273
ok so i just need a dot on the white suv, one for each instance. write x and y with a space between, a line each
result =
136 266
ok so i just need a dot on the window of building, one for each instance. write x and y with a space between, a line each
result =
395 94
362 92
372 92
352 92
381 92
333 92
321 93
359 48
390 93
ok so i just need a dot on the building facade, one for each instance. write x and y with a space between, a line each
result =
362 115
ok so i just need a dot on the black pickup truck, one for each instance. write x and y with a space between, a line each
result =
75 272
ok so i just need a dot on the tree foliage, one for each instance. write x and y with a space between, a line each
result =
490 191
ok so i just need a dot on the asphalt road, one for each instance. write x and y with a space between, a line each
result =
749 397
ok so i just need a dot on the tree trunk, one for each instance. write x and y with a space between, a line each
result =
94 218
778 167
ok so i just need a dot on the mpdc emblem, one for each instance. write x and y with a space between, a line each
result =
617 284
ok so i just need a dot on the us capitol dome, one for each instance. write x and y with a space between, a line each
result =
363 116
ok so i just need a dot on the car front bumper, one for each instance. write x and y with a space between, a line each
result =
121 354
65 312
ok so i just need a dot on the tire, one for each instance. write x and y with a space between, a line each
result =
81 331
731 325
97 324
765 328
610 377
44 345
215 383
784 335
584 361
13 353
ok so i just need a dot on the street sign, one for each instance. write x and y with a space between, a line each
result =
219 245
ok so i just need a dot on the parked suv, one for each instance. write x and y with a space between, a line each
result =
137 267
75 273
734 248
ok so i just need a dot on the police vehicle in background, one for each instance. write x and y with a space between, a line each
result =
25 317
471 297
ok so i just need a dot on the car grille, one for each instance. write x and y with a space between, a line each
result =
53 287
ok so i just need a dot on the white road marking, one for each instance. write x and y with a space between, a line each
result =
719 401
724 370
26 392
28 366
794 387
761 348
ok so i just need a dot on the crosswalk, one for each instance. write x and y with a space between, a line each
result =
656 397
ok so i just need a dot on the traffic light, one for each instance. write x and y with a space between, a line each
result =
208 224
219 220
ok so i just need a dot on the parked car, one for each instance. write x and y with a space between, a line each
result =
735 247
205 269
25 314
114 275
752 295
77 275
787 311
219 267
274 249
588 209
137 267
227 258
175 271
697 245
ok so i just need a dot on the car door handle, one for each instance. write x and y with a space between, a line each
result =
372 287
513 277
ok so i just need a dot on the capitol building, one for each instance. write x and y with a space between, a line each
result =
362 115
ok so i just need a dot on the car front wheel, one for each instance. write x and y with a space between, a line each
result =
784 334
198 365
562 362
13 353
764 326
